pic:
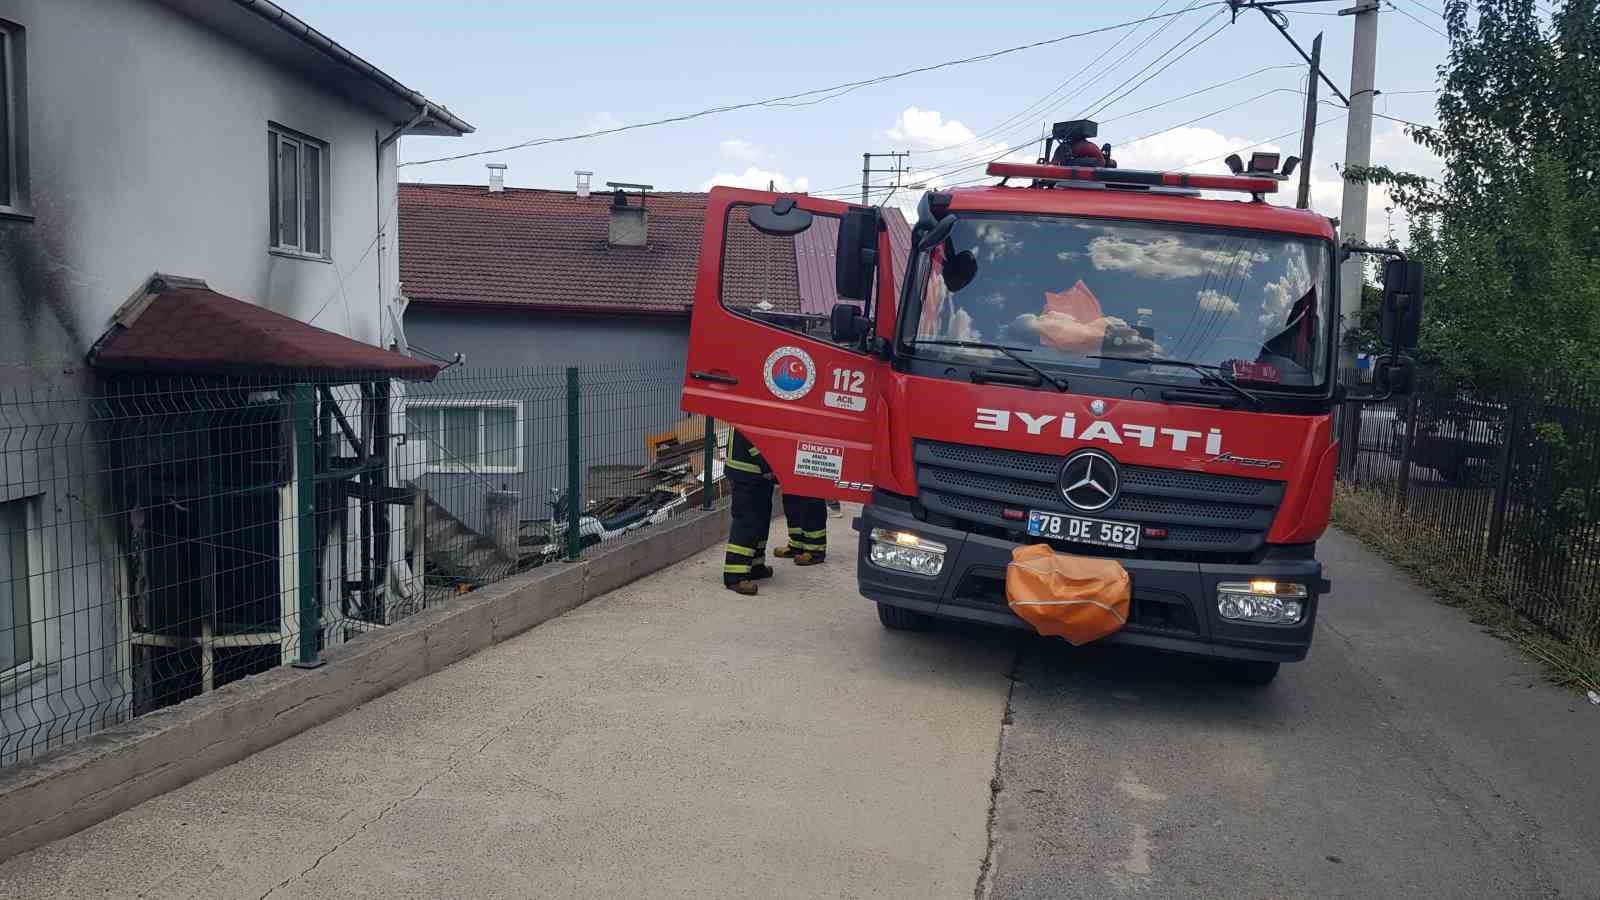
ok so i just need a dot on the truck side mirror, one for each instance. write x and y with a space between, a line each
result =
847 325
856 258
1394 375
1402 303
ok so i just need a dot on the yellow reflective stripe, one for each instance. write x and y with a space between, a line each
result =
736 570
797 531
744 466
754 451
820 533
737 550
804 546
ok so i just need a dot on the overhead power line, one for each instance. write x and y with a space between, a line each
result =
1413 18
787 99
1113 96
1043 101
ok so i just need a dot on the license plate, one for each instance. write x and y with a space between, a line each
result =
1099 532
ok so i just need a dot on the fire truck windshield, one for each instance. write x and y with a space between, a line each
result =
1255 306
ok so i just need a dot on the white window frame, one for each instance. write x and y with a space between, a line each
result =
36 591
15 109
447 467
279 136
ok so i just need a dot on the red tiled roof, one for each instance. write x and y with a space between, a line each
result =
181 326
461 244
548 250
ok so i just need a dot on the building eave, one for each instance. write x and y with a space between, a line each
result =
280 36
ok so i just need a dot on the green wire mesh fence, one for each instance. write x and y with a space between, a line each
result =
162 537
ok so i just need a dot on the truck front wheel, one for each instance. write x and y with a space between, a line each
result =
1247 671
896 618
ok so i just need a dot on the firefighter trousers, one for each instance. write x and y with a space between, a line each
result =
752 519
807 518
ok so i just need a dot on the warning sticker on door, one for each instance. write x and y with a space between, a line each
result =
819 461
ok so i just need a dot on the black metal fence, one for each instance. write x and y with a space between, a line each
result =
1505 484
162 537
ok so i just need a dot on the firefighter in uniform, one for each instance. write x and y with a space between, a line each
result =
745 562
808 530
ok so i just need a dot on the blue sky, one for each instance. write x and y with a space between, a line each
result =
520 71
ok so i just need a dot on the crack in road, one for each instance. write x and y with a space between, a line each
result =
448 770
985 883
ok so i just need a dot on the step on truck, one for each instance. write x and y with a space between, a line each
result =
1114 363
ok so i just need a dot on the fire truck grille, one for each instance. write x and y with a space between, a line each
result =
1199 511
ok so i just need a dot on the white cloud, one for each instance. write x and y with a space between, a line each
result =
928 128
601 121
1197 149
1281 293
1170 257
943 151
1213 301
961 328
742 151
758 178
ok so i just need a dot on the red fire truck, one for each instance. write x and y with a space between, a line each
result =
1103 360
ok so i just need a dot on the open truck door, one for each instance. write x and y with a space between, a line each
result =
777 352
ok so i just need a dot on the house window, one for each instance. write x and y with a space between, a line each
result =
298 193
13 121
21 600
467 436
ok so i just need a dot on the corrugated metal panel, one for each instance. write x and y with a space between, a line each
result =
815 250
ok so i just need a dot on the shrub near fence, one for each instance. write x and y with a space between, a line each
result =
162 537
1504 483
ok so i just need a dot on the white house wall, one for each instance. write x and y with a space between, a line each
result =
148 152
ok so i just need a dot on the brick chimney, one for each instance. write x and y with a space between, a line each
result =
630 225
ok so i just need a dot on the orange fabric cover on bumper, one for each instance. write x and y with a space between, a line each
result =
1079 598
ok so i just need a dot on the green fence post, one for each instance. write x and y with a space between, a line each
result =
711 455
303 409
574 469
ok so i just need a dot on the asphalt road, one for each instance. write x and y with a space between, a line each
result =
1409 756
674 740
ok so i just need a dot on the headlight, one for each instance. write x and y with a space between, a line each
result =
1263 602
903 551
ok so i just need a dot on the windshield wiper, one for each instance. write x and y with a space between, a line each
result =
1010 352
1208 374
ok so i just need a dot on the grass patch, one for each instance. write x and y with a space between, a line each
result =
1467 584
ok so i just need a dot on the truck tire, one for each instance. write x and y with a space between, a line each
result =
1252 672
897 618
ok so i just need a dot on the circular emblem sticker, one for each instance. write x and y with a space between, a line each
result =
790 373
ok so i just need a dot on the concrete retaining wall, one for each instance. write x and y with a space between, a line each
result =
123 766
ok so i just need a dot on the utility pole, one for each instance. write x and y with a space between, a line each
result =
1357 154
1308 136
867 171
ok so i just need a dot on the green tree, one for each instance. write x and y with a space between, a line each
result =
1510 233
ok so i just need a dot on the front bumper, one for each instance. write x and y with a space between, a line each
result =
1174 603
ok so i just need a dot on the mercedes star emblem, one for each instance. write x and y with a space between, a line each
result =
1089 480
1098 407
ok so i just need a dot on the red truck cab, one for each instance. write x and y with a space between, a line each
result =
1100 360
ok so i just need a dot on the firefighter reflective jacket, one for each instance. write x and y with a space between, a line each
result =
744 460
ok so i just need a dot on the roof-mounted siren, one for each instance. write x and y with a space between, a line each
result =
1263 165
1073 146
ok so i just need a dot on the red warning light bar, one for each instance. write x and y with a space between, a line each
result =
1244 183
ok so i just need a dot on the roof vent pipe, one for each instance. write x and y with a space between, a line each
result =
497 177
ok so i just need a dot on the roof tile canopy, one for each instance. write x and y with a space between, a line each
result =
463 245
180 326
